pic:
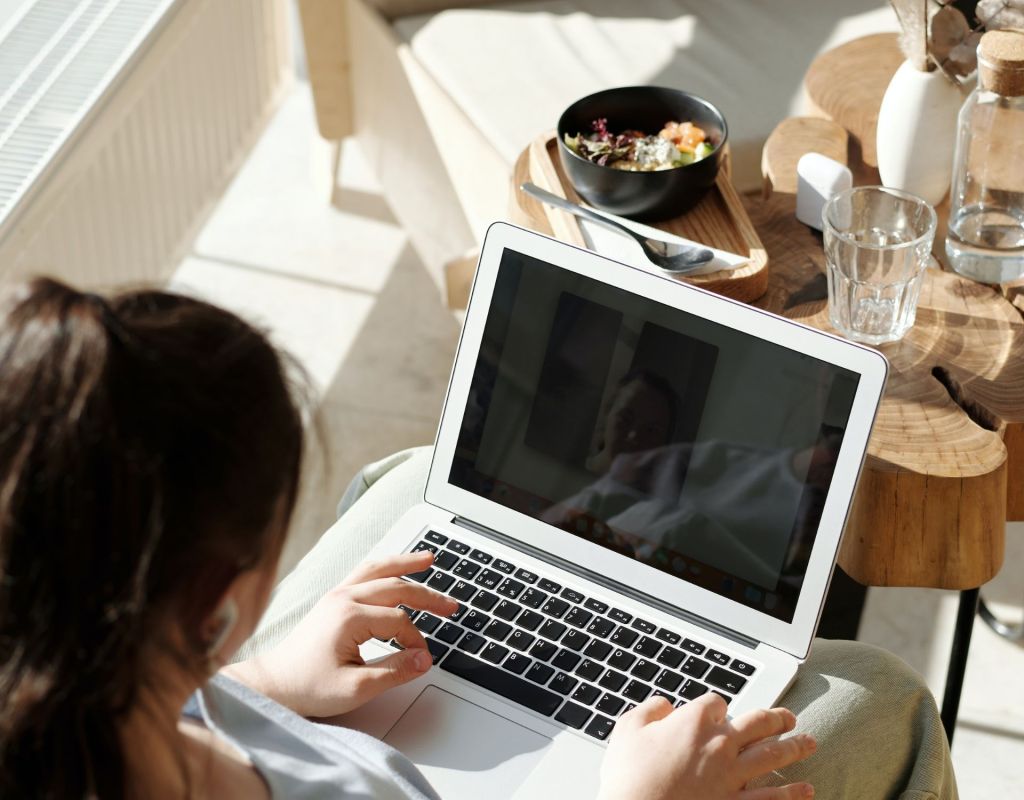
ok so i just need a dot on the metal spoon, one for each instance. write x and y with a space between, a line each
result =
669 256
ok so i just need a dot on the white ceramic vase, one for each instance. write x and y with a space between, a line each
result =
917 132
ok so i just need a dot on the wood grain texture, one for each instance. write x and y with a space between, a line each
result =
847 84
937 486
791 139
325 39
719 220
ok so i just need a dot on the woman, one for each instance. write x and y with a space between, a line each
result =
149 461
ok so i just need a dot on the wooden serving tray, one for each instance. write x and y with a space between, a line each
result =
719 220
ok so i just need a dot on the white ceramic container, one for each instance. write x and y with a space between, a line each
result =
916 132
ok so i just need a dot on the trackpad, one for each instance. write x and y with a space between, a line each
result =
465 750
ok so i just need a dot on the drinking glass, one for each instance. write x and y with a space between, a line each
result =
878 242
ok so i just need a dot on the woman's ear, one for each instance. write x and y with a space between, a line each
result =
219 626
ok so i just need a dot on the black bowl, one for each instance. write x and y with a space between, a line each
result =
642 195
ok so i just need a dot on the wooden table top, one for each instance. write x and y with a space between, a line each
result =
945 468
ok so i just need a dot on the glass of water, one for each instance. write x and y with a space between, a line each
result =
878 243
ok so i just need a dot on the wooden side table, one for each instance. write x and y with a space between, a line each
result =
945 468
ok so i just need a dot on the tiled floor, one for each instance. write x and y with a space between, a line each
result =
337 285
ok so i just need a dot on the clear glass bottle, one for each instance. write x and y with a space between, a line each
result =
985 240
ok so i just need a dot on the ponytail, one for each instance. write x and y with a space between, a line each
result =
144 443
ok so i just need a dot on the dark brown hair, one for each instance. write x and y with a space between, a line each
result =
148 444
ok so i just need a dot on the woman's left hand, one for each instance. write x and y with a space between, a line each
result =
317 670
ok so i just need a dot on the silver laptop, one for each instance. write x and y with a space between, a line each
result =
637 487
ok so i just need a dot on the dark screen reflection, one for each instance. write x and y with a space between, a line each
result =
669 439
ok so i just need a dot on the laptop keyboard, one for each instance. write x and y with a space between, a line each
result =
552 649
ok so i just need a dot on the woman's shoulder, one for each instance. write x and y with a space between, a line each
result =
301 758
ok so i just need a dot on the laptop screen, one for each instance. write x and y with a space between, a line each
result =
684 444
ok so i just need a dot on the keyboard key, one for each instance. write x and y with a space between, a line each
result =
718 657
692 646
458 547
572 595
462 590
555 607
612 680
530 620
420 577
552 630
517 663
721 678
668 680
540 673
725 697
601 627
573 715
542 650
624 637
566 659
610 704
629 707
589 670
500 682
466 570
435 537
494 652
600 727
695 667
421 546
562 683
526 575
671 657
459 613
498 630
520 640
440 581
507 610
427 622
445 559
533 598
586 694
550 586
510 588
645 670
741 667
481 556
620 616
637 691
644 625
596 605
395 644
692 690
409 612
489 579
666 695
578 617
484 600
503 566
597 649
647 647
449 633
668 636
475 621
575 640
471 642
622 660
437 650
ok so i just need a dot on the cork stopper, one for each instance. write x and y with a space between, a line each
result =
1001 62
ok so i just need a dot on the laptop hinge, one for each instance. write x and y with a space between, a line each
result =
604 580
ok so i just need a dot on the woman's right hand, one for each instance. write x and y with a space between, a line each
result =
659 752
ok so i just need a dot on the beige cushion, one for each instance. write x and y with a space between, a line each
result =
513 67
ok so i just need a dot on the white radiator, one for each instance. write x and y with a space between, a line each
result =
121 123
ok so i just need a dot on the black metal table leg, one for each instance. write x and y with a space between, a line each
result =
958 660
